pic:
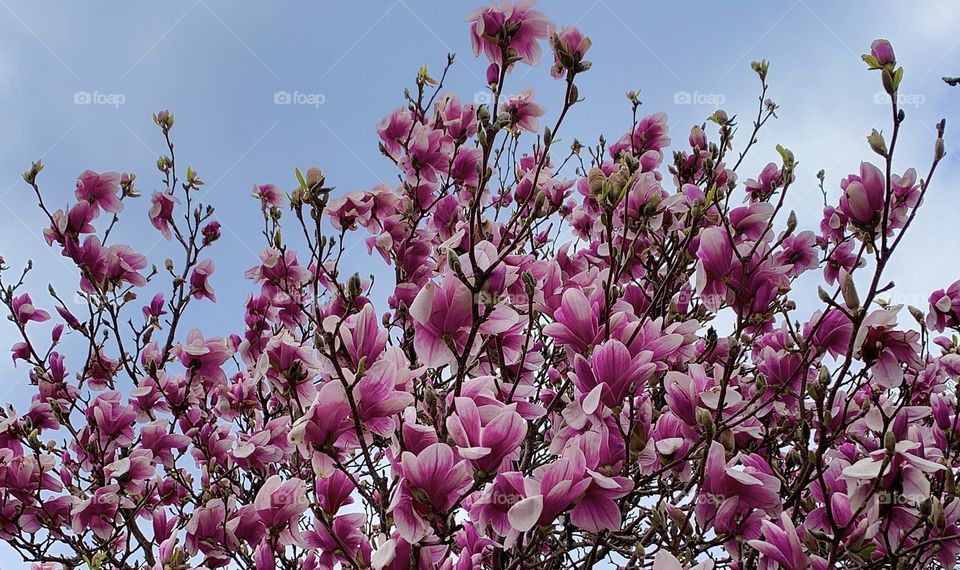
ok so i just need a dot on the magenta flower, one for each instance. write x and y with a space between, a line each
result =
493 508
100 190
882 51
24 311
944 308
428 155
487 435
799 253
524 113
716 260
782 545
569 46
269 195
211 232
161 211
204 357
518 27
444 312
611 375
325 421
433 481
155 309
733 489
123 265
577 321
280 503
200 286
863 196
886 349
97 513
394 130
761 189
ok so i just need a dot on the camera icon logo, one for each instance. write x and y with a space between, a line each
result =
482 98
282 98
82 98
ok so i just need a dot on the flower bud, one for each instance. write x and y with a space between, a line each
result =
877 143
883 53
849 290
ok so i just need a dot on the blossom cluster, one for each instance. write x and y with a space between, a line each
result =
543 383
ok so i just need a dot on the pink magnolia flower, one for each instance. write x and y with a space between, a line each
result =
123 265
459 120
524 113
211 232
863 196
428 155
486 435
883 52
100 190
97 513
767 183
269 195
445 313
24 311
732 489
394 130
433 481
204 357
905 472
569 46
516 26
280 503
577 321
782 546
799 253
161 211
611 375
886 349
200 280
716 260
944 308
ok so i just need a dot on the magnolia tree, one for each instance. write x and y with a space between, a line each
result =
546 382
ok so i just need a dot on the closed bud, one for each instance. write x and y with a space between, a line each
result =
353 285
879 146
917 315
849 291
791 222
889 442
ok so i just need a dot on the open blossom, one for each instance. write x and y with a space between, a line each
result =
944 308
524 113
161 211
100 190
200 280
569 46
24 311
269 195
279 503
518 26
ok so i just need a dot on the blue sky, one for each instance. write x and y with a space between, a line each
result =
79 81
